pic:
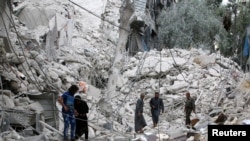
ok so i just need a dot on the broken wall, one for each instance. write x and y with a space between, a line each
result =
143 27
59 35
5 11
33 17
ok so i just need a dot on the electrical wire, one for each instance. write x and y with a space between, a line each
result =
125 97
128 31
1 84
21 41
159 89
38 63
16 53
12 22
174 62
111 24
50 83
139 67
22 50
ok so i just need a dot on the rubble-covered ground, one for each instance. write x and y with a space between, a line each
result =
217 83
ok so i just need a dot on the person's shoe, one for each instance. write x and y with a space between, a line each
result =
154 125
140 131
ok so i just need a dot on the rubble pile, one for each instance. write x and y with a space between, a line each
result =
214 81
54 50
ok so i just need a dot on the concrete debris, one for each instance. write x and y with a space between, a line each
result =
246 122
82 50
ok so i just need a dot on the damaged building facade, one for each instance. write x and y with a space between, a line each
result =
32 74
143 27
25 111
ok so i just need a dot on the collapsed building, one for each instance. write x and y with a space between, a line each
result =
143 28
34 72
24 110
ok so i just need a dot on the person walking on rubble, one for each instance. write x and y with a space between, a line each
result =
157 106
68 112
140 122
189 107
81 119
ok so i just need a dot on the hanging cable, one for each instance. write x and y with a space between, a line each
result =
176 66
160 73
12 22
39 65
139 67
159 80
1 84
39 88
21 41
2 106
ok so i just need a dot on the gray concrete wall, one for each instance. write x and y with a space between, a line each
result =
4 20
5 11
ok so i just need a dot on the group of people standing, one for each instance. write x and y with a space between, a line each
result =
157 107
74 113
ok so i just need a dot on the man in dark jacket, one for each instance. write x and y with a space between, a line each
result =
81 119
189 107
157 106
